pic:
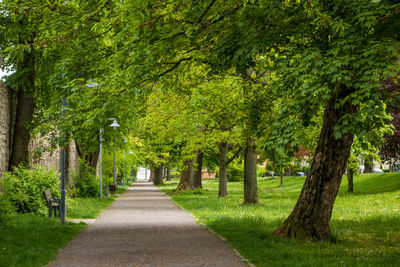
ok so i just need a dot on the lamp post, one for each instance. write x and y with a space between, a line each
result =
114 125
131 176
101 164
92 85
62 212
123 165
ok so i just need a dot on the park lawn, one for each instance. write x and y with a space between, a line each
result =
365 225
90 208
33 240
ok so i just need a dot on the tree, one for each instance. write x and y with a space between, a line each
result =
390 150
330 55
21 27
352 167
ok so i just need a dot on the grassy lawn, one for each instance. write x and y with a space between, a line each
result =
90 208
32 240
365 225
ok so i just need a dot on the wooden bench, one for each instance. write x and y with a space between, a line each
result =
113 188
53 203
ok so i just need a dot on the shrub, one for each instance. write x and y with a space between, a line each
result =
24 188
84 182
7 210
235 172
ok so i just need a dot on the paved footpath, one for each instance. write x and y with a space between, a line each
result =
144 227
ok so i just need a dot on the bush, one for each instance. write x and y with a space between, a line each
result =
7 210
235 173
24 188
84 182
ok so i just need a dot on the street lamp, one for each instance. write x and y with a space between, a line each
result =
63 210
123 165
130 177
114 125
101 164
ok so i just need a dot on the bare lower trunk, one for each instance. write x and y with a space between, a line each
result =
199 168
22 135
158 175
162 173
90 158
281 180
151 175
312 213
350 180
250 172
187 177
368 165
169 172
223 164
24 111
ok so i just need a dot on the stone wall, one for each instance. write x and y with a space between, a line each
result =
7 108
50 159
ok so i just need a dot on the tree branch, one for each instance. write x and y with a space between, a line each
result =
206 11
234 156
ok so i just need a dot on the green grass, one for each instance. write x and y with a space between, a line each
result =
33 240
90 208
365 225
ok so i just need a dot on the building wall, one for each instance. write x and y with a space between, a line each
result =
208 174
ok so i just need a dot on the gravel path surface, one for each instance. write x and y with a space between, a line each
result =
144 227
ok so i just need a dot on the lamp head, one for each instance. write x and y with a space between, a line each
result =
115 124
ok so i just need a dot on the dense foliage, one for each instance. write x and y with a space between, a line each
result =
84 182
24 188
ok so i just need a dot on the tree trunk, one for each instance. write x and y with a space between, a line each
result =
312 213
90 158
223 164
281 180
199 168
25 109
368 165
250 172
151 175
158 175
187 178
169 172
350 180
162 173
22 135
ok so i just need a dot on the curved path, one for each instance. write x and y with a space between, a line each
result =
144 227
